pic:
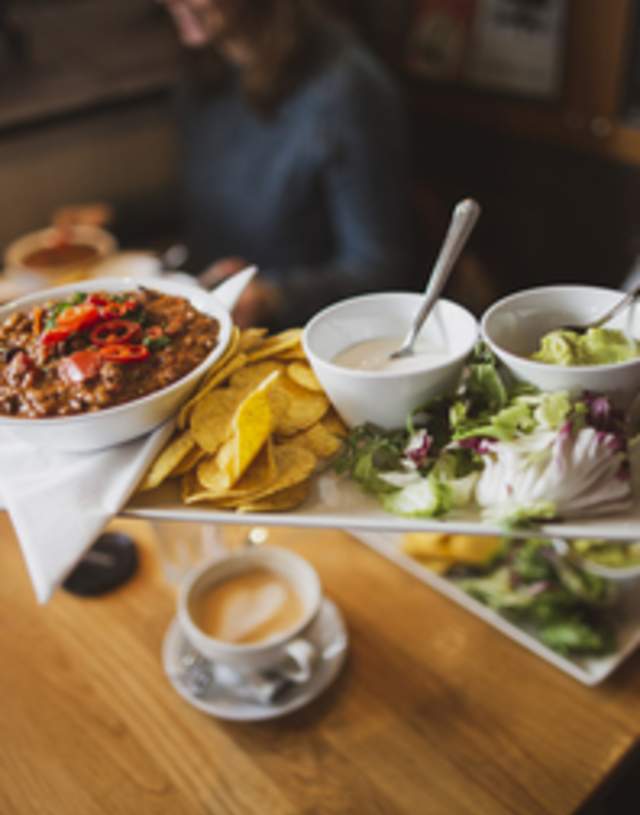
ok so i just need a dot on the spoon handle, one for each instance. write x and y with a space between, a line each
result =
629 297
463 220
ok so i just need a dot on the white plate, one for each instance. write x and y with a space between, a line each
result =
328 630
339 503
588 670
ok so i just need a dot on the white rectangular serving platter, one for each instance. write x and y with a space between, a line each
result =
338 503
587 670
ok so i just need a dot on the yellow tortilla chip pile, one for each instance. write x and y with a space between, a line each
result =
255 432
439 551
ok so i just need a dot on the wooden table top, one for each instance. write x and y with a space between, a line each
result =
434 712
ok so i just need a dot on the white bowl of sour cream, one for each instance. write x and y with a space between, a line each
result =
348 345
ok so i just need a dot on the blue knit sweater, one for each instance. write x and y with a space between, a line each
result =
319 194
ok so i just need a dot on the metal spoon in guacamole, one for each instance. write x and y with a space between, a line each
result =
628 298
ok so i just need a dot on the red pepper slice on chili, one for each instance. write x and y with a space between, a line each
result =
97 299
75 318
55 335
80 366
114 309
124 353
115 332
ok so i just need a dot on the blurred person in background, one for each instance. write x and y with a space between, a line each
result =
296 157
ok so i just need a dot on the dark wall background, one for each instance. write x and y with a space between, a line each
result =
549 214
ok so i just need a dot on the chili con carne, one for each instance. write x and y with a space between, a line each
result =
81 354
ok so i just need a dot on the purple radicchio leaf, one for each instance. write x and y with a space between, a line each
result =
616 442
479 444
562 446
420 453
534 589
602 415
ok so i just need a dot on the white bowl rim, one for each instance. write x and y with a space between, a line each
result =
535 364
115 284
614 573
101 239
360 374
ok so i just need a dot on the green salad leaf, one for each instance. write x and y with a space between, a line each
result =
533 586
519 455
367 452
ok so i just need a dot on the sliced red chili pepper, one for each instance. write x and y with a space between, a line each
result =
115 332
80 366
54 335
97 299
124 353
75 318
115 309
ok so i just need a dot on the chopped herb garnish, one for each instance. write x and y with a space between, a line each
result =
155 343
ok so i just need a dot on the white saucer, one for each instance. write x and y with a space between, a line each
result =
327 630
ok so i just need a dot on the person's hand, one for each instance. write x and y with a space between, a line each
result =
194 20
258 303
221 269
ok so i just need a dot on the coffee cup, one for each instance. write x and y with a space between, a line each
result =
250 611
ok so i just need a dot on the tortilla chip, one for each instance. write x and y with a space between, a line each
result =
304 408
474 549
251 427
295 354
212 477
289 498
251 338
262 472
171 456
192 458
294 464
212 484
215 379
470 549
426 544
225 454
249 376
211 419
302 375
276 344
320 441
192 490
334 424
435 565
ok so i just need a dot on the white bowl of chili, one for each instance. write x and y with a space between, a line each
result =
99 426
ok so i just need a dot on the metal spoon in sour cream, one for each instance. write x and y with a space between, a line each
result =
374 355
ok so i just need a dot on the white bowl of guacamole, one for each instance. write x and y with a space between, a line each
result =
524 330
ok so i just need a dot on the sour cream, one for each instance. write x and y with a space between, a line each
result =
374 355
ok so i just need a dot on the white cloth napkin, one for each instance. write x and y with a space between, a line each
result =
59 502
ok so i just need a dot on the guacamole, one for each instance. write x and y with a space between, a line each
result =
597 346
608 553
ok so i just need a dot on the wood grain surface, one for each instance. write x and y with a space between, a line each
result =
434 712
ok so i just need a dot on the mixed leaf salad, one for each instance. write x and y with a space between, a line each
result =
532 585
517 454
